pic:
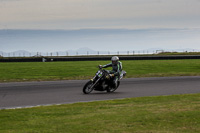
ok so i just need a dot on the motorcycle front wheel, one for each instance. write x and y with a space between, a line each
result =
87 87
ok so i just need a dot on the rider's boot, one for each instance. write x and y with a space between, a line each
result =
115 83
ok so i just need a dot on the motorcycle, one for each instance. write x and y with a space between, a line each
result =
102 81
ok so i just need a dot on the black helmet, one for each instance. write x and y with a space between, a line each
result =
115 60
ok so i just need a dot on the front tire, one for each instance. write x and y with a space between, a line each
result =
87 87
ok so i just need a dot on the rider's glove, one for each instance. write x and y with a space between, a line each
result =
100 66
107 77
111 75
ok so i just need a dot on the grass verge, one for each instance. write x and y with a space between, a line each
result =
37 71
177 113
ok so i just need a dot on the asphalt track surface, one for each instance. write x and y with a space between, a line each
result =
29 94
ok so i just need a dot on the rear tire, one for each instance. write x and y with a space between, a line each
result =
86 88
113 89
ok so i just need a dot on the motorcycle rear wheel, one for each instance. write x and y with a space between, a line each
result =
113 89
86 88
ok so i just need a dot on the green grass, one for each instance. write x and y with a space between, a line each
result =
37 71
160 114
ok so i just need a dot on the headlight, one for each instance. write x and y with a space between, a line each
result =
99 73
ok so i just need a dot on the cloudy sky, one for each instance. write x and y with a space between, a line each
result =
101 14
78 14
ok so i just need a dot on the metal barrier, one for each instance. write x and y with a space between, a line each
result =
90 58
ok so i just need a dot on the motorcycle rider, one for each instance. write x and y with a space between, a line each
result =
116 69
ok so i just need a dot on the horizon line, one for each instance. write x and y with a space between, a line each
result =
79 29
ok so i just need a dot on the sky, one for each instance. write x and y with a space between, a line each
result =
83 14
101 14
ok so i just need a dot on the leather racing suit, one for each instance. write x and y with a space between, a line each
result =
116 70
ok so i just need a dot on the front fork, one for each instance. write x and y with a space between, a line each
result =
93 79
95 82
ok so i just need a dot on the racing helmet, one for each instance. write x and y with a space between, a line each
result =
115 60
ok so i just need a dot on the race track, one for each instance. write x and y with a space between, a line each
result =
28 94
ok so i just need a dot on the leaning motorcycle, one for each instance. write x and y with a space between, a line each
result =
102 81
